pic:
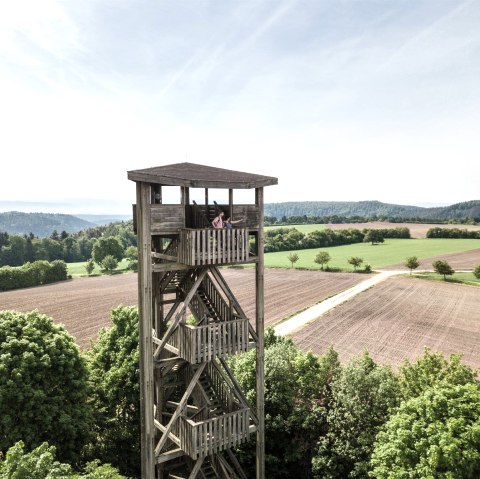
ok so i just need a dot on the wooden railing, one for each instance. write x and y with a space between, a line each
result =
201 438
207 342
213 246
222 308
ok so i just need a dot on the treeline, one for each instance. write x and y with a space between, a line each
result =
15 250
286 239
336 219
32 274
323 419
452 233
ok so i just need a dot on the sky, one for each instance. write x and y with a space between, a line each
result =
342 100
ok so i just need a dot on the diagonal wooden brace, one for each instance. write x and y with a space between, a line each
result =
179 409
179 315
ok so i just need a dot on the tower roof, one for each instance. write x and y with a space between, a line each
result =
200 176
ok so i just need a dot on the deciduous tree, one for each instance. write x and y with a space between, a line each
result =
293 258
476 272
373 236
442 267
105 247
109 263
433 435
43 385
355 261
322 257
412 263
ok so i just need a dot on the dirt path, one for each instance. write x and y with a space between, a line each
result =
311 314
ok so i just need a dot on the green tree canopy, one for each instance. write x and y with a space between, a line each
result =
355 261
293 258
42 464
322 257
434 435
432 369
114 366
107 246
43 385
363 395
476 272
373 236
412 263
442 267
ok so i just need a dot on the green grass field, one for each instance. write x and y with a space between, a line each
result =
393 251
465 278
78 269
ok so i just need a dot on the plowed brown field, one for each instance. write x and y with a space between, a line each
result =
83 305
399 317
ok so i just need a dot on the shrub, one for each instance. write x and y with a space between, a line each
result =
476 272
32 274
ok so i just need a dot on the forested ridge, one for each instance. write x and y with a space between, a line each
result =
369 210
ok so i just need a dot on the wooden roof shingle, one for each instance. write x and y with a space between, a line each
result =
200 176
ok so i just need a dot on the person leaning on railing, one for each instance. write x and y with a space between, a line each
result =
229 223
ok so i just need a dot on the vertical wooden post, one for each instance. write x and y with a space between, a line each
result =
259 322
206 196
146 324
230 203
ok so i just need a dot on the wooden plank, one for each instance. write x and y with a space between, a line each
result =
260 327
146 324
196 468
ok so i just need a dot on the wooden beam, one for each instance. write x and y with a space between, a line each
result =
196 468
164 256
179 315
168 456
146 324
159 268
230 203
178 411
259 327
206 196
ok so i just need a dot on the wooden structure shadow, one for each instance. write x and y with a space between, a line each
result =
193 409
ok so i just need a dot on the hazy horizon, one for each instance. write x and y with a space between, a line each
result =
91 206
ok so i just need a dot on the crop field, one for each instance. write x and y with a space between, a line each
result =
417 230
392 252
397 318
83 305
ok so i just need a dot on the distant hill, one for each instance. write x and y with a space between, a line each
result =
104 219
41 224
469 209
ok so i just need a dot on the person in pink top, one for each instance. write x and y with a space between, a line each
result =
218 220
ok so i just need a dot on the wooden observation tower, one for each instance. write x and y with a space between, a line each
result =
193 409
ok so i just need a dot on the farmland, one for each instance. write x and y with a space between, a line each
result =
396 319
83 305
417 230
392 252
78 269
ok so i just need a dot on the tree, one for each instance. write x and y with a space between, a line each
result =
297 389
355 261
323 257
55 236
432 369
293 258
373 236
131 254
412 263
476 272
43 385
105 247
363 396
41 463
89 266
442 267
63 235
114 366
109 263
433 435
